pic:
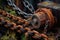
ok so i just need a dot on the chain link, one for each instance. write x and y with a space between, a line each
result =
19 11
46 26
28 5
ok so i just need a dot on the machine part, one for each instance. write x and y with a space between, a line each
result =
19 28
41 17
50 16
19 11
55 7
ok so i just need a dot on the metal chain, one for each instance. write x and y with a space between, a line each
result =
46 26
19 11
17 20
28 5
20 29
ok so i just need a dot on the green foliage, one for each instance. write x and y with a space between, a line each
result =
13 13
0 3
8 36
5 7
10 11
23 37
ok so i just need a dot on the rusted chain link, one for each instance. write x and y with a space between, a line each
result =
15 19
20 29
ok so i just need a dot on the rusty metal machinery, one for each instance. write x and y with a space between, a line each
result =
41 17
55 7
34 24
44 20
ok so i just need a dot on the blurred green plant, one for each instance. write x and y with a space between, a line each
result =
8 36
23 37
